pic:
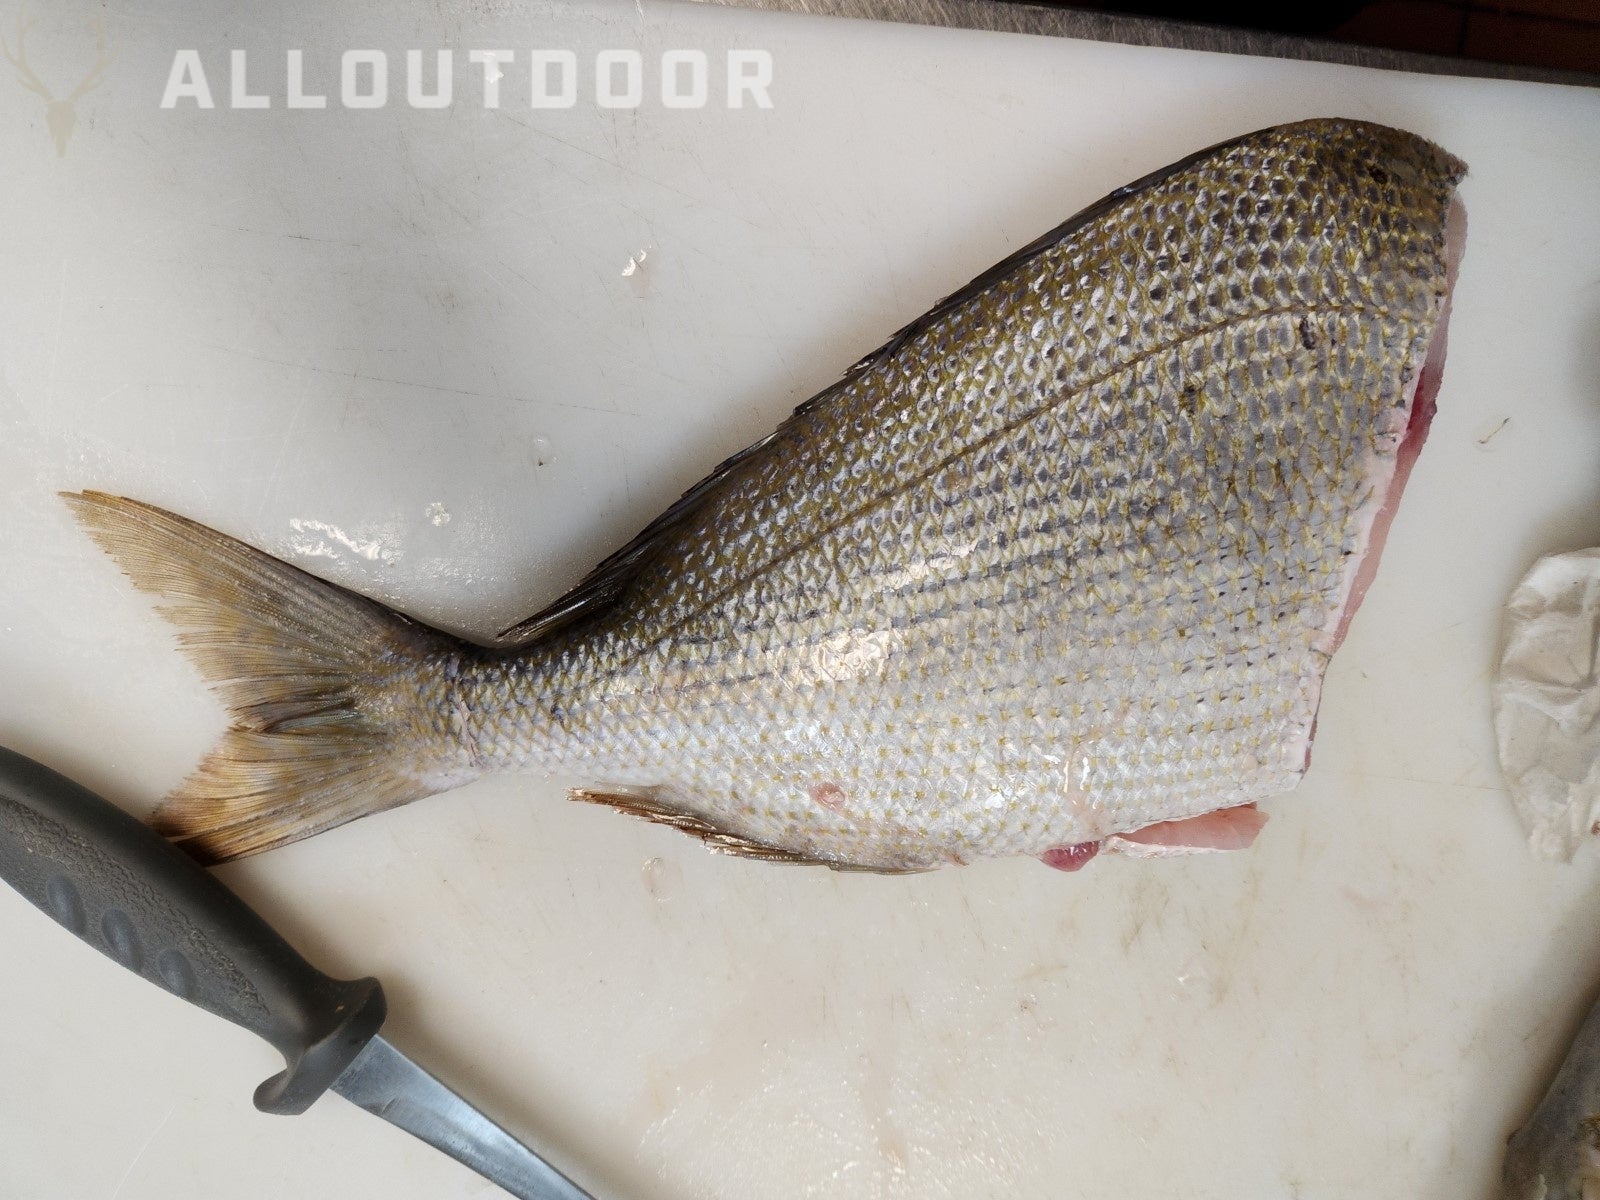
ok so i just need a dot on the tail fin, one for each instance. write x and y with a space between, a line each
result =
307 669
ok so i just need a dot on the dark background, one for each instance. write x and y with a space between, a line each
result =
1563 34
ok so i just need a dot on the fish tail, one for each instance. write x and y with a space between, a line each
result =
312 675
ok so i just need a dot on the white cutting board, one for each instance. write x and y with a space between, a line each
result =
324 331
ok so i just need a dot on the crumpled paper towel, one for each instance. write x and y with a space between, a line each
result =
1547 702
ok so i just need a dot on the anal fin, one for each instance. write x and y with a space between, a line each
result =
637 804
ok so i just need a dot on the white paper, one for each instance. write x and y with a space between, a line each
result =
1547 702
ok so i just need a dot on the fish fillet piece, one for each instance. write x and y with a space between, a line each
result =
1062 562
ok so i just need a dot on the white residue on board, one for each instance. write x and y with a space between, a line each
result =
437 513
319 539
635 261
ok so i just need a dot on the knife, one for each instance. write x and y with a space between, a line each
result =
132 895
1051 18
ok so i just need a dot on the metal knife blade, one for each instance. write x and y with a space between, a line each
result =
1087 24
388 1084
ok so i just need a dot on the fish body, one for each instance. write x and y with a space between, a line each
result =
1058 568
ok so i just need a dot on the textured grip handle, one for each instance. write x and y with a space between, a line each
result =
132 895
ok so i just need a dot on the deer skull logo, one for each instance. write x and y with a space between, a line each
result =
60 116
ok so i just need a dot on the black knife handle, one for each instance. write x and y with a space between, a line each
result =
134 896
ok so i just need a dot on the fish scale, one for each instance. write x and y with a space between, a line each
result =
1246 348
1064 561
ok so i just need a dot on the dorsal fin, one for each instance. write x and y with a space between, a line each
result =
718 839
601 588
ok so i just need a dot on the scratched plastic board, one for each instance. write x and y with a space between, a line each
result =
450 358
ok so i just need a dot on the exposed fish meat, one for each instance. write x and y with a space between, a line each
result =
1057 569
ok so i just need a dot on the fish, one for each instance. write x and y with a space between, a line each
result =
1056 570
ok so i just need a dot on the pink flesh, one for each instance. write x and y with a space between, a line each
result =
1069 858
1422 410
1225 829
1419 418
829 795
